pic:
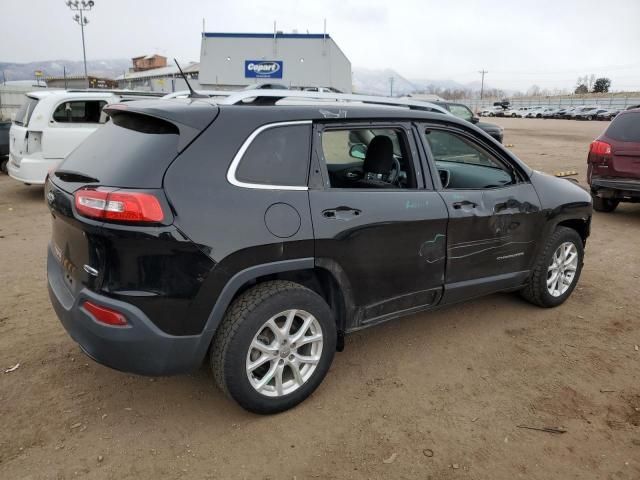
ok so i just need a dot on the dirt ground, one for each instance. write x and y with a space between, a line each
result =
431 396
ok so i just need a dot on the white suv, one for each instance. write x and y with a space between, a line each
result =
49 126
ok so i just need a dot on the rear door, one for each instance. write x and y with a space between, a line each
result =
19 128
385 239
624 136
495 219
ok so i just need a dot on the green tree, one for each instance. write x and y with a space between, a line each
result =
601 85
582 88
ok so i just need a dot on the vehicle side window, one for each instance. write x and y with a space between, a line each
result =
368 158
462 164
277 156
80 111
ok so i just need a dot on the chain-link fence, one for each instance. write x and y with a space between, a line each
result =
614 101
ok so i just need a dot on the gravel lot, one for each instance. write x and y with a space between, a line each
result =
437 395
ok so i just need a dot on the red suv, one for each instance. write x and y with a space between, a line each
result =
614 163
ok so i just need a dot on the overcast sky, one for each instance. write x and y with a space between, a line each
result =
545 42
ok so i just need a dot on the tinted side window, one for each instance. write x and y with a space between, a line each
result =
82 111
625 128
277 156
462 164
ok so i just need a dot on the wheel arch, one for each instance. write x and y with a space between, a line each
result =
580 225
322 277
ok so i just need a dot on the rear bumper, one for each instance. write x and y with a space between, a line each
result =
622 185
139 348
31 170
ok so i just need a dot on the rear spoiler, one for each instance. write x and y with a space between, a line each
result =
190 117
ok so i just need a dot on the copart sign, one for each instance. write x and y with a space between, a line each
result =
263 69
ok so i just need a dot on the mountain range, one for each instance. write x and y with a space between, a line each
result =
372 81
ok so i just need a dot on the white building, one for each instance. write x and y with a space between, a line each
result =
236 60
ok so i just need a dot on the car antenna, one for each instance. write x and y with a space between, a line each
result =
193 93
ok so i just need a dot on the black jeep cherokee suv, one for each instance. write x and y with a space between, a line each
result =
256 236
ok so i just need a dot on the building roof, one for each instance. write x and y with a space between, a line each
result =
148 57
265 35
160 72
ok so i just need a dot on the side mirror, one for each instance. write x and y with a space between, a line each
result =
474 119
358 150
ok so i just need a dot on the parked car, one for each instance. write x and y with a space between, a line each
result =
550 112
460 110
579 110
520 111
613 163
4 145
52 123
607 114
538 112
491 111
185 230
589 114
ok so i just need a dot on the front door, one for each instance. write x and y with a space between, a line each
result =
374 222
494 212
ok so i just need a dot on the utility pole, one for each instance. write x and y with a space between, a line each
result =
81 20
482 72
391 86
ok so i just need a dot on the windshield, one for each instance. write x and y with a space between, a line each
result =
461 111
26 110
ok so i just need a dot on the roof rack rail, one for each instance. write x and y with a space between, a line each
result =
270 97
115 91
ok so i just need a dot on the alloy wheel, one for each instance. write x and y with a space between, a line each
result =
562 270
284 353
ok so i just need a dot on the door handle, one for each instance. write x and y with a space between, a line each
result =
464 203
341 213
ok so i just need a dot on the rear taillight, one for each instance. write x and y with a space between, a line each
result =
118 205
105 315
599 147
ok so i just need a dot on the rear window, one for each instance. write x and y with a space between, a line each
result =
26 110
132 150
80 111
625 127
277 156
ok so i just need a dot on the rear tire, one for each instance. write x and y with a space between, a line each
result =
3 165
261 327
606 205
554 275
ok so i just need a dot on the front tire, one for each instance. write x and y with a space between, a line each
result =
274 346
557 269
606 205
3 165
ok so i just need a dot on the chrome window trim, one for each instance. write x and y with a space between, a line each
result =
231 173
